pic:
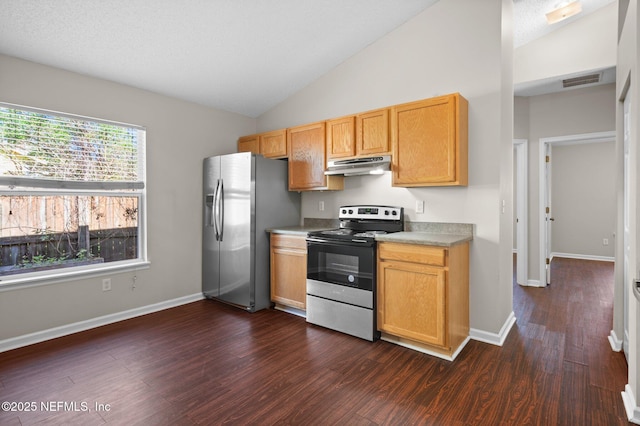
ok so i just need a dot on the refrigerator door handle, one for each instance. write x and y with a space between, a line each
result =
221 209
216 210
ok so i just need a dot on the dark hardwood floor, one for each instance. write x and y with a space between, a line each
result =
208 363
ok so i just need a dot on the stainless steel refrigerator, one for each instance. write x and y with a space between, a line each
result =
244 195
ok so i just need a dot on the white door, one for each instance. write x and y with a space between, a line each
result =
547 212
627 275
521 193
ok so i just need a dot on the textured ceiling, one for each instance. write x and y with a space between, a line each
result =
243 56
530 21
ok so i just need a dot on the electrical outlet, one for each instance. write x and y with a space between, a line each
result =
605 241
419 206
321 206
106 284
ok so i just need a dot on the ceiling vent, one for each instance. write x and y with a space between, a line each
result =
579 81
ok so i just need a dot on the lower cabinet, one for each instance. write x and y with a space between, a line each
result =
423 295
289 270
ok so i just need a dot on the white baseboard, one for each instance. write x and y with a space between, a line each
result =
474 334
630 405
583 257
493 338
616 344
52 333
532 283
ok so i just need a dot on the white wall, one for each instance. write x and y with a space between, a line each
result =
454 46
179 136
520 117
587 44
583 199
578 111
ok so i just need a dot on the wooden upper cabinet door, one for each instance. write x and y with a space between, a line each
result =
429 141
372 132
249 143
341 137
274 144
307 159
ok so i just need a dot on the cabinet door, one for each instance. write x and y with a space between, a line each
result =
274 144
341 137
307 159
411 301
429 141
289 277
372 133
249 143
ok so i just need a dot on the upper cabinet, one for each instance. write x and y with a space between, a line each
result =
362 135
341 137
274 144
372 133
429 140
249 143
270 144
307 159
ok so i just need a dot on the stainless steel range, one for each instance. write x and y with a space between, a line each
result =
341 269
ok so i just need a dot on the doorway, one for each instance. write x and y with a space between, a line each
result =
521 187
546 216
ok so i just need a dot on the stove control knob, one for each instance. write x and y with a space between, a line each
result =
386 212
394 213
344 211
350 211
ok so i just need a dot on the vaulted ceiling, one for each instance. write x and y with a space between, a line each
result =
243 56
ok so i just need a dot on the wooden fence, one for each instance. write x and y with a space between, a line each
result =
105 245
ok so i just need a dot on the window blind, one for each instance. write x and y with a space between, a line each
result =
43 149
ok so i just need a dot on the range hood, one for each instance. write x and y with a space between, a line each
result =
359 166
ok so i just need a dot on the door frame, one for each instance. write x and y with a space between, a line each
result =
627 273
543 146
521 149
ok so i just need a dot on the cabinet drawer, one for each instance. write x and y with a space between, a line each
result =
427 255
290 241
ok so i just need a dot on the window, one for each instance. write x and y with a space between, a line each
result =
71 193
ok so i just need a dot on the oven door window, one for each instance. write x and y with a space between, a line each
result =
341 263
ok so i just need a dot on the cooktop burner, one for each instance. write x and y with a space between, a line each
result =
336 232
369 234
364 223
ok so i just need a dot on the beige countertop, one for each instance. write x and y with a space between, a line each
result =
415 237
295 230
425 238
423 233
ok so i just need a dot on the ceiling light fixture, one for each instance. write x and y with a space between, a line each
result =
564 11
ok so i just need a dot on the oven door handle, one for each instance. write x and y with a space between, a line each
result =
317 240
352 242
